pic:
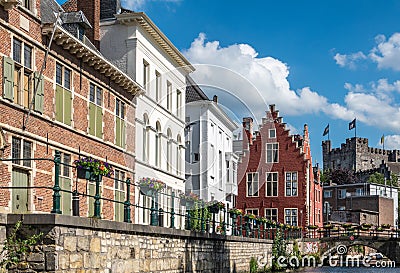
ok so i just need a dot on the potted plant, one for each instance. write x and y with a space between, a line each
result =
188 199
346 225
385 226
249 216
148 186
312 227
215 206
328 226
234 212
91 168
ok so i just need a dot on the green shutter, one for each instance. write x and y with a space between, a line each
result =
67 107
39 97
99 121
59 103
118 132
8 78
123 134
92 119
66 197
19 196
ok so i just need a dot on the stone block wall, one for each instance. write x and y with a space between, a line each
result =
73 244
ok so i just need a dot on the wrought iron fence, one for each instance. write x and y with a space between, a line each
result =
197 216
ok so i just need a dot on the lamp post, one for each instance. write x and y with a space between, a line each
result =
327 209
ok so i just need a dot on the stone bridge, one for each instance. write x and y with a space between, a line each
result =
387 245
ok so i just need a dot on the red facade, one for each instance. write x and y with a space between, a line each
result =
288 190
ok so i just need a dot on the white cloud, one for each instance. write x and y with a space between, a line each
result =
259 81
387 53
392 142
350 60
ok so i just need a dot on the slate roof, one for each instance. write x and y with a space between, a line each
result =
193 91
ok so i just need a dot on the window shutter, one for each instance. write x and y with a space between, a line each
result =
99 121
123 143
39 97
59 103
118 132
92 119
67 107
8 76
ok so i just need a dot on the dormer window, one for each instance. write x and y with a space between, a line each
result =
26 4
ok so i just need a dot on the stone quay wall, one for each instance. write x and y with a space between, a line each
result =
74 244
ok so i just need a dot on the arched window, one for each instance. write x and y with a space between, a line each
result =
145 138
169 150
178 155
158 144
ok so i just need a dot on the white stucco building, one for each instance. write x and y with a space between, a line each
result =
139 48
211 165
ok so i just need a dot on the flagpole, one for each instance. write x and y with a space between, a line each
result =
355 128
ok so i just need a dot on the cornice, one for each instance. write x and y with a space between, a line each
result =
92 58
145 22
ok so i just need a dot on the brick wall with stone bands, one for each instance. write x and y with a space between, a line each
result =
74 244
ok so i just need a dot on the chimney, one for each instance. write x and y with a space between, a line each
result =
248 129
108 8
91 9
215 99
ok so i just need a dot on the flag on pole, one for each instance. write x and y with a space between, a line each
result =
352 124
383 139
326 131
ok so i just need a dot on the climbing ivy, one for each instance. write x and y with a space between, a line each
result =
278 249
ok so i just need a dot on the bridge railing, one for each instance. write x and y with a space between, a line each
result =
353 232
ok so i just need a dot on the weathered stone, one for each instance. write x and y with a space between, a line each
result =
76 260
95 245
35 257
83 244
70 243
37 266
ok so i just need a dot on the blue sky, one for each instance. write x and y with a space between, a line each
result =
320 62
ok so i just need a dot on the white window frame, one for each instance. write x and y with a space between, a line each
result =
272 148
274 133
253 174
340 193
327 193
270 217
272 182
291 216
291 188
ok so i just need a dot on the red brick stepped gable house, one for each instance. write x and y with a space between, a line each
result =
276 178
83 107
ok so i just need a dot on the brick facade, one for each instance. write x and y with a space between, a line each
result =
294 158
45 133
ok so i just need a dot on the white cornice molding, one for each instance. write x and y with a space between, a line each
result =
145 22
76 47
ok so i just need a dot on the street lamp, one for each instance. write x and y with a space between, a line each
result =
326 209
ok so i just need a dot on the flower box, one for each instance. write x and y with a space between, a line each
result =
84 173
96 167
149 186
215 207
146 190
234 213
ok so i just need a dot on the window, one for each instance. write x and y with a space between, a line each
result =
158 145
169 96
146 73
178 155
63 94
119 195
196 157
342 194
327 194
291 217
178 103
271 214
359 192
119 123
95 111
272 184
220 169
19 78
228 170
252 184
252 211
21 149
26 4
272 152
158 86
169 150
272 133
291 184
145 138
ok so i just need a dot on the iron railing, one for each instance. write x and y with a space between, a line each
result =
204 221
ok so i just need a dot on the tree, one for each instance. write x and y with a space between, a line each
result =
342 176
376 178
